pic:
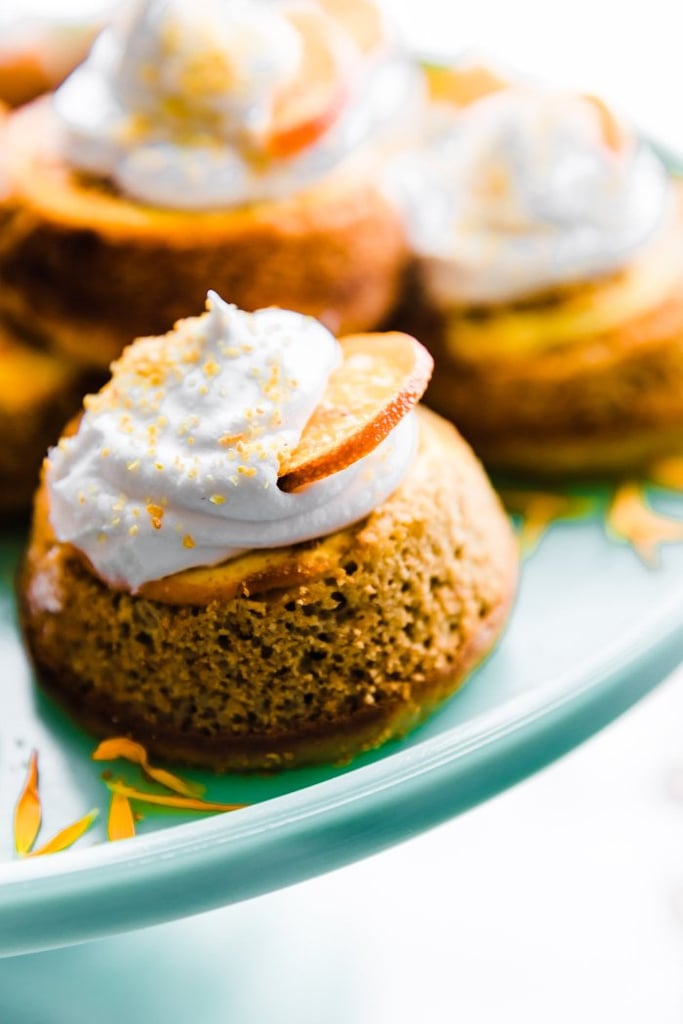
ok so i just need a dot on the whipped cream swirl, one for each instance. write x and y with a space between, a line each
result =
175 104
176 460
526 190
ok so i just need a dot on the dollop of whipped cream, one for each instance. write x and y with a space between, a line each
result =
176 460
526 190
178 101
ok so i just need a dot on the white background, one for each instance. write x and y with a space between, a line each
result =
560 901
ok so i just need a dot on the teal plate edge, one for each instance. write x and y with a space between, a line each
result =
76 896
163 876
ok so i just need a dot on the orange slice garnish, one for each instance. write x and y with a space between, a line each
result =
381 378
361 19
613 134
308 105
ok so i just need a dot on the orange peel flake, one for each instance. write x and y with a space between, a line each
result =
120 747
631 519
381 378
66 837
120 823
538 510
667 472
182 803
464 85
28 811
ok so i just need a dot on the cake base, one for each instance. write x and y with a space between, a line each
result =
402 607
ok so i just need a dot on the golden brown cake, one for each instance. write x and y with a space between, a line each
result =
96 249
550 288
306 652
603 402
313 653
38 394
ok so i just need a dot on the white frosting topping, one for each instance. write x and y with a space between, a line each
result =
176 461
177 101
523 191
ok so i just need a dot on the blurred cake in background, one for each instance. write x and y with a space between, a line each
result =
40 45
548 245
209 140
39 391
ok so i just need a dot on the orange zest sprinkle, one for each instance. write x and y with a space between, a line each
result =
632 520
28 812
66 837
182 803
120 824
129 750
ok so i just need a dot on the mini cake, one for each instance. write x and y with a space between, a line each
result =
549 257
38 394
208 140
253 552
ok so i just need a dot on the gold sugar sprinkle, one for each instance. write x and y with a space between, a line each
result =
156 514
217 499
228 440
188 541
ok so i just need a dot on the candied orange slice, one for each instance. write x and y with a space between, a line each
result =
362 20
613 134
381 378
308 105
